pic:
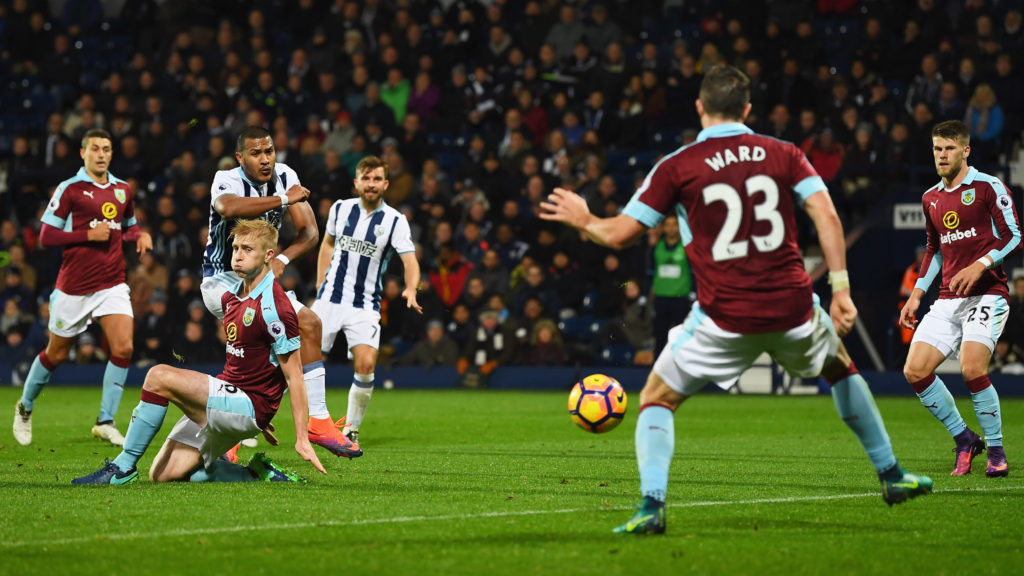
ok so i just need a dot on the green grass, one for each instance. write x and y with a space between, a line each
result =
477 482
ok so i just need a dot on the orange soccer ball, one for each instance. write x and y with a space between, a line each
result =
597 403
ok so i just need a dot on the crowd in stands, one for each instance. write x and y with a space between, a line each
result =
479 108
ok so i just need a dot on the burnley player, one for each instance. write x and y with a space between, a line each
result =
262 342
735 193
89 215
362 235
972 227
263 188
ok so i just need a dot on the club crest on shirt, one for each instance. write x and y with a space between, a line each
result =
248 316
119 193
967 197
378 230
1004 201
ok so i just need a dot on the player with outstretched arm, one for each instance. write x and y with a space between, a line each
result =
972 227
90 216
262 360
735 193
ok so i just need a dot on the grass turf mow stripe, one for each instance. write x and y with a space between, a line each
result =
446 517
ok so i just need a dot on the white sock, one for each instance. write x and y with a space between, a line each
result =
315 376
358 399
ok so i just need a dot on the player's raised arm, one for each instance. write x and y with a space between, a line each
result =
291 365
231 206
833 246
570 208
306 237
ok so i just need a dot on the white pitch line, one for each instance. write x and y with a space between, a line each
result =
407 519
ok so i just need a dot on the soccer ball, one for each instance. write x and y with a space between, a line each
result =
597 403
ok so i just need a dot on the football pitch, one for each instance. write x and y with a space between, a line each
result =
487 482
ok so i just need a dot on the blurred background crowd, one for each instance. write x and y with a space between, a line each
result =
479 108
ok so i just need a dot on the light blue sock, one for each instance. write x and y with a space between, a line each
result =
937 399
655 443
986 407
113 387
146 421
221 471
38 376
856 406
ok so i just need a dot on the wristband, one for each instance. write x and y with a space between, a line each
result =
284 259
839 280
984 262
284 201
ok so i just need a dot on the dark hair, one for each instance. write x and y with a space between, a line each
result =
953 130
250 133
725 92
95 133
372 163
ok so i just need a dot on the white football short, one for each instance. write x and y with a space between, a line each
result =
214 287
70 314
230 418
698 351
951 321
360 326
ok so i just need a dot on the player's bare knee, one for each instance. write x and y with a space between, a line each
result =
914 373
156 379
656 391
309 325
122 350
57 355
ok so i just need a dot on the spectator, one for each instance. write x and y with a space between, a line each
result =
435 349
448 273
825 154
545 345
490 345
155 332
984 119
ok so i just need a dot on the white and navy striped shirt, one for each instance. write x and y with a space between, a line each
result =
364 243
217 256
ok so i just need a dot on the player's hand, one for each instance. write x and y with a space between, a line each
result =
410 299
277 267
297 194
144 243
100 233
908 314
565 206
268 435
965 279
843 312
305 449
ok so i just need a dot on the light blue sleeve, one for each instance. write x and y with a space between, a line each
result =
928 277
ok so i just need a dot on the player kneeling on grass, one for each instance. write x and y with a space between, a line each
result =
737 191
262 343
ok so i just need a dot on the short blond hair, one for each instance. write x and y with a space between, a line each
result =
260 229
